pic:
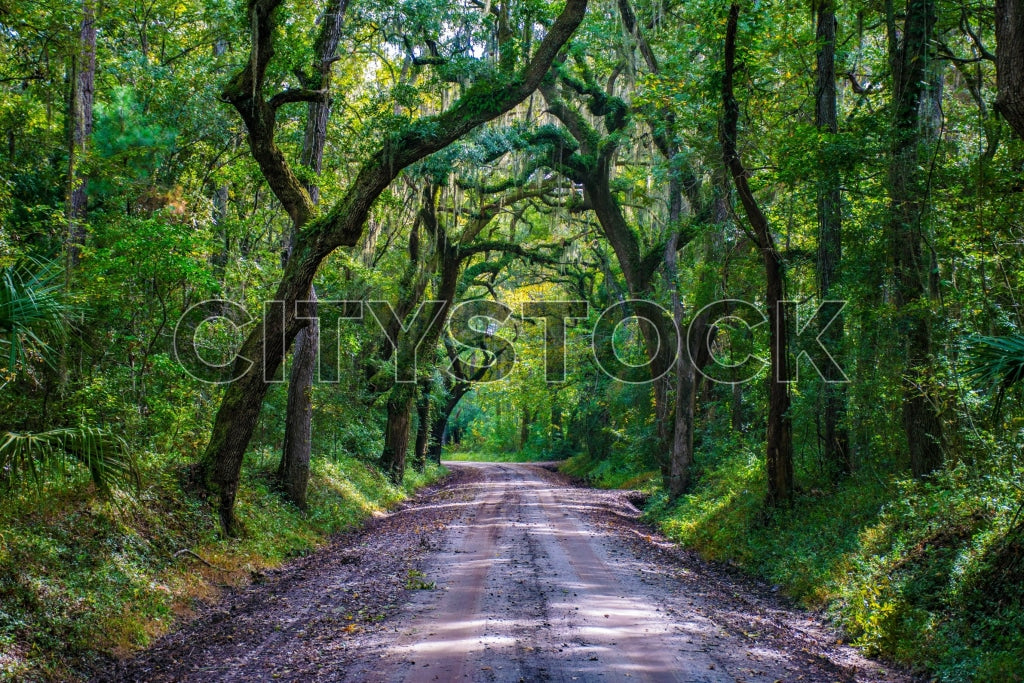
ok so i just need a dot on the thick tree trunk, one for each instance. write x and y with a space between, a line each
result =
396 433
908 197
780 432
836 440
80 108
262 352
1010 62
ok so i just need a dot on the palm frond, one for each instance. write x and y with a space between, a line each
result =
33 456
997 363
31 307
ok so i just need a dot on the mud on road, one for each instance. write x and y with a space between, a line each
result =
504 573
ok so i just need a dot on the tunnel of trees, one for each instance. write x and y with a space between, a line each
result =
259 257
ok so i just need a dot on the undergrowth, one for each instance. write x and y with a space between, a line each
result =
927 574
83 579
496 456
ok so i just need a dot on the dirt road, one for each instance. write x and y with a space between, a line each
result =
506 574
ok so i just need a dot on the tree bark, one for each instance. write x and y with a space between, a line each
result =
262 352
835 437
439 423
298 435
422 425
1010 62
80 117
396 433
908 197
524 428
296 455
779 454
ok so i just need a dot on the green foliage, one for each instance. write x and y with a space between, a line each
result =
415 581
32 307
997 362
178 213
478 456
33 456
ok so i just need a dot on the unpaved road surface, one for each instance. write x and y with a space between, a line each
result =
505 573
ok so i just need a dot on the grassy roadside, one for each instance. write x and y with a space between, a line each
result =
481 456
925 574
83 579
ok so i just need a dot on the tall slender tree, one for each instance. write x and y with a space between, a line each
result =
910 55
298 435
80 120
779 445
830 243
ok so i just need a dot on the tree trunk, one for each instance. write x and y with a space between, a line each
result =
422 426
439 425
736 408
293 471
219 259
80 108
908 201
680 458
396 434
779 449
1010 62
837 448
421 341
298 435
524 428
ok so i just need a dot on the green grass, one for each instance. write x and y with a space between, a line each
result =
481 456
611 474
82 579
924 574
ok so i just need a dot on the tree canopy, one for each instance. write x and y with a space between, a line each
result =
679 243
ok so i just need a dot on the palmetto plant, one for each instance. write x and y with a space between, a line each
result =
32 310
997 362
37 455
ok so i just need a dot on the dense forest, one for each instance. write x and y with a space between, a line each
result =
264 263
